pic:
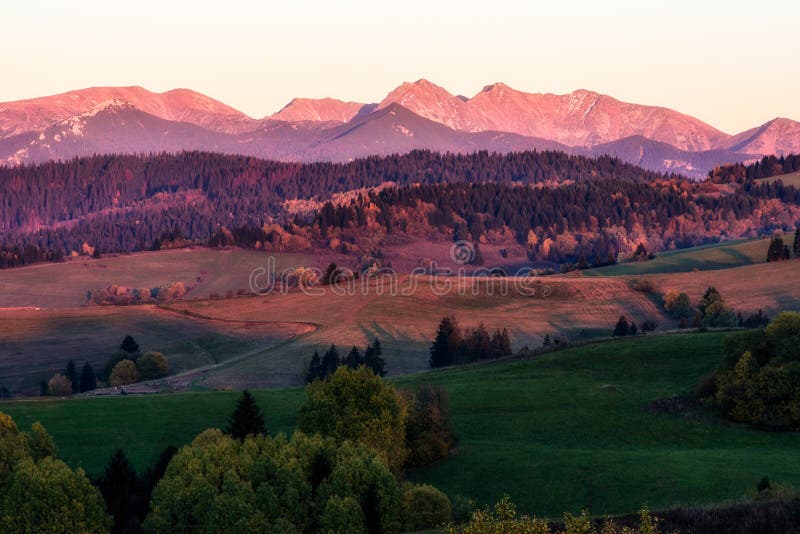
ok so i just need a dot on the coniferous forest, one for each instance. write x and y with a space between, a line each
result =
563 208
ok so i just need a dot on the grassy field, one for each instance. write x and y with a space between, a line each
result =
702 258
266 341
568 430
64 285
792 179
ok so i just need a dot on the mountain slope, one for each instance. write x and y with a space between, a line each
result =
580 118
322 110
779 136
180 105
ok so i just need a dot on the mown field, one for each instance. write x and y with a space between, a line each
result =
702 258
568 430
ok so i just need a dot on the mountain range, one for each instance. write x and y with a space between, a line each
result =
418 115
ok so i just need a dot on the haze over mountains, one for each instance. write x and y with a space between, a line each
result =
412 116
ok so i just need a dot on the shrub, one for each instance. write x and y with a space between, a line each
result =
424 507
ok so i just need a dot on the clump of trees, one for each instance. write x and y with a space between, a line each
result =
759 381
127 365
321 367
39 492
451 347
711 311
777 250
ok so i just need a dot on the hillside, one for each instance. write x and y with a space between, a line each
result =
574 422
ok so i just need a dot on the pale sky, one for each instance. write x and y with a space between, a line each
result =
732 64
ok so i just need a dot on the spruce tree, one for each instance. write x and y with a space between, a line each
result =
445 344
246 419
88 379
796 245
314 368
72 375
120 488
354 359
373 360
44 389
330 362
622 328
129 345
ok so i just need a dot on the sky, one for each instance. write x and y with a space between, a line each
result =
732 64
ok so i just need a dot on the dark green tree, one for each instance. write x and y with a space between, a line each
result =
88 379
314 368
72 375
246 419
121 491
129 345
373 359
622 328
44 389
777 250
445 344
354 359
330 362
796 245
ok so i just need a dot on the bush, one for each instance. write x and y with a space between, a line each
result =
424 507
124 373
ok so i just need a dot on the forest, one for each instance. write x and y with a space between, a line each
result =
563 208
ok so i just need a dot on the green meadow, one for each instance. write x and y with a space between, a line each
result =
564 431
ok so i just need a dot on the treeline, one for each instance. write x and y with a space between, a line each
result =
451 346
124 203
321 367
766 167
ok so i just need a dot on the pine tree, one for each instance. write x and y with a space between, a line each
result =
330 362
129 345
796 245
88 379
246 419
72 375
505 343
547 341
354 359
373 360
44 389
622 328
445 344
314 368
119 486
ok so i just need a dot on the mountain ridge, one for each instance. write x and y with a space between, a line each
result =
423 115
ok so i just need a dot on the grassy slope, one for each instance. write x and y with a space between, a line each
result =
566 431
792 179
703 258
